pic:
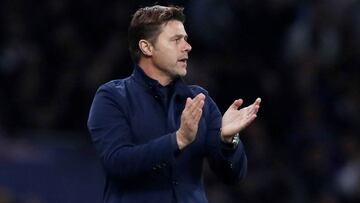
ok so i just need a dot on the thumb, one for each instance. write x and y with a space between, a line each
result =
236 104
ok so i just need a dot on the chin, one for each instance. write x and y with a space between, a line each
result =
179 71
182 73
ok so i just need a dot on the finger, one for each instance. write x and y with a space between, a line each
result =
251 119
236 104
197 102
247 120
257 101
255 106
192 104
197 116
248 110
199 97
186 112
256 109
187 104
247 113
195 111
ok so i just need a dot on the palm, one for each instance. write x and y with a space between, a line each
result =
235 120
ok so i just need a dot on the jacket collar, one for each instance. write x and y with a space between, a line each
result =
180 88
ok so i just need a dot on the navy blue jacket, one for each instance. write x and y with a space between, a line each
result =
133 124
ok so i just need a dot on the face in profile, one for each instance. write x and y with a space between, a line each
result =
171 49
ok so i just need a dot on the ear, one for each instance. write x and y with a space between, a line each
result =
145 47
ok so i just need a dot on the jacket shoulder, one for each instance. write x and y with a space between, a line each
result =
117 86
196 89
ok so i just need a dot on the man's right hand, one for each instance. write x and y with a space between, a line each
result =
190 118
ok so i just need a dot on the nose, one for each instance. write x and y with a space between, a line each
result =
187 47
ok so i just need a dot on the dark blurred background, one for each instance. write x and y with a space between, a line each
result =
301 57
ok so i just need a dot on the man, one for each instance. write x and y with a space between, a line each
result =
152 131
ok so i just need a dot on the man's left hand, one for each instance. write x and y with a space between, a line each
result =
235 119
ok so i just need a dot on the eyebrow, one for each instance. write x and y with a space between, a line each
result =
180 36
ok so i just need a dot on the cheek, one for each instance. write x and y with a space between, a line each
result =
169 55
165 59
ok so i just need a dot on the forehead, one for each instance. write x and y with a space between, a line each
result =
173 27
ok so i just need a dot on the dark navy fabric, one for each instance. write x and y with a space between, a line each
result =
132 123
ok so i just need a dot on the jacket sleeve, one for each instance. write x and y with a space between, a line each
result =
229 164
111 135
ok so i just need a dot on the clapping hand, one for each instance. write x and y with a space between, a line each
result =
235 120
190 118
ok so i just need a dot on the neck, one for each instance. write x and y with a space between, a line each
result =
154 73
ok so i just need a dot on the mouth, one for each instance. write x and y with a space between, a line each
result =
183 60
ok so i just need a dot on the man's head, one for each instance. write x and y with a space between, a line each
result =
157 35
146 24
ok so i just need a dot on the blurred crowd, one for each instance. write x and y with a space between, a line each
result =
301 57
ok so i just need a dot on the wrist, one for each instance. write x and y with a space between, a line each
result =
227 139
181 144
232 141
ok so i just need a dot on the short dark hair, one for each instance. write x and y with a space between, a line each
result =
146 24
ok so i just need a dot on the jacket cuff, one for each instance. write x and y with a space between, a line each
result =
174 144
